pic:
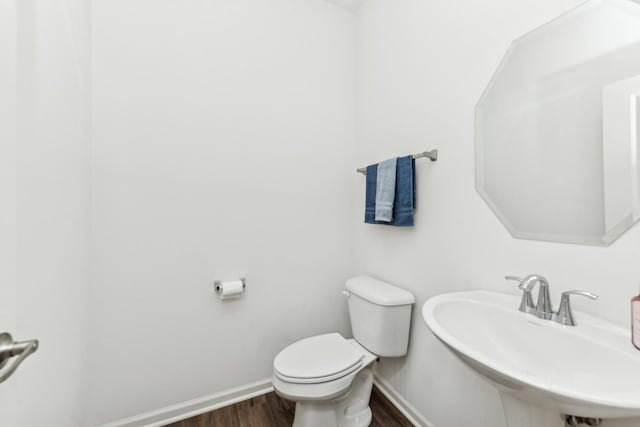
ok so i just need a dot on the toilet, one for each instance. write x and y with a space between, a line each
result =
329 376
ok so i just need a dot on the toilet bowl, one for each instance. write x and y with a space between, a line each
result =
329 376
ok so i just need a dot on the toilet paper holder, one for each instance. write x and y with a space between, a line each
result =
218 283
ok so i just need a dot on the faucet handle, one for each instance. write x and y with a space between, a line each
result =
526 304
583 293
564 314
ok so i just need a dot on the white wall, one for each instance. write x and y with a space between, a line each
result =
8 194
52 195
421 68
223 136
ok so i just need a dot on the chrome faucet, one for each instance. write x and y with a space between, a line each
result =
543 309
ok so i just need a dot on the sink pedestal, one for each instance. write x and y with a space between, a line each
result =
522 414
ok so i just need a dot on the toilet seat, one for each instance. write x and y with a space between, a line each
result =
318 359
334 385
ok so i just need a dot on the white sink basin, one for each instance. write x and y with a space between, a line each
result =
589 370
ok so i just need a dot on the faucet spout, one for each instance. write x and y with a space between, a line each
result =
544 308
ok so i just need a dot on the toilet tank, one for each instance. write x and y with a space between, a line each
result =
380 315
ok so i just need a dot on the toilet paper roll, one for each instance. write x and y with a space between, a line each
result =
231 289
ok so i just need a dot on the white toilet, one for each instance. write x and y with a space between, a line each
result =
328 376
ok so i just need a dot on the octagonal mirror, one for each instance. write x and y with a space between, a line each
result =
557 128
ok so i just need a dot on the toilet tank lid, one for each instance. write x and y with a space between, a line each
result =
379 292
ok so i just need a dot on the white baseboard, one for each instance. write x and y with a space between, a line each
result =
191 408
411 413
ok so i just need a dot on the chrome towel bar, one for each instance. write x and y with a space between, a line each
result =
431 155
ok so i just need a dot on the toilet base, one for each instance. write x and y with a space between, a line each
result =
350 410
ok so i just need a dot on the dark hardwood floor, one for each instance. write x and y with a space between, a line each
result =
271 410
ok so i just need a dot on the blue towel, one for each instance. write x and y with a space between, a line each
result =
405 200
385 190
370 203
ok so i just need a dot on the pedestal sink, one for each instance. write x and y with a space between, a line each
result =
542 369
